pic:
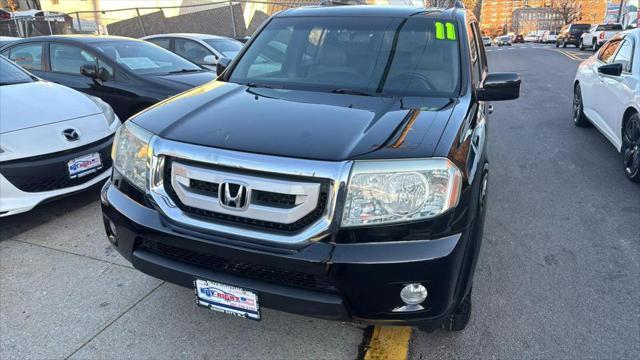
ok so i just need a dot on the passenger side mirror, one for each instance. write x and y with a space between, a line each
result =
89 70
611 69
499 86
210 60
222 64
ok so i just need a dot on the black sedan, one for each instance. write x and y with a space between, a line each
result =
128 74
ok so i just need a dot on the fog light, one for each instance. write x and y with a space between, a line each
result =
412 295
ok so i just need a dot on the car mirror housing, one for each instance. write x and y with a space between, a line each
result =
210 60
499 86
89 70
222 64
611 69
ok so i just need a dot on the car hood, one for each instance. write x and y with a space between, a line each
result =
39 103
185 81
302 124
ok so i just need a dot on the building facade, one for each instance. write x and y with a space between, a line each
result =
526 20
497 16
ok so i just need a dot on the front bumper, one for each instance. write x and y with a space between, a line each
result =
25 183
359 282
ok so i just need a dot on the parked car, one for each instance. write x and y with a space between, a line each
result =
550 36
518 39
347 181
53 140
503 40
5 40
607 95
598 35
570 34
530 37
128 74
202 49
486 40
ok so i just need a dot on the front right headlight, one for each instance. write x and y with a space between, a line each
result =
393 191
131 154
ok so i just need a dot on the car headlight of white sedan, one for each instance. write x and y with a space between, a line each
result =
392 191
131 154
107 110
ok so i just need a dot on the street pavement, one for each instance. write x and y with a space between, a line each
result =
557 275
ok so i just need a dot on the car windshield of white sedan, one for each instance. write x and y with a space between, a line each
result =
361 56
228 48
11 74
146 59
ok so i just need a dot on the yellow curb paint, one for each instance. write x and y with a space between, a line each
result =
389 343
569 54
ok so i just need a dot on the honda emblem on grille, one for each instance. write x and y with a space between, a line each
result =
71 134
234 196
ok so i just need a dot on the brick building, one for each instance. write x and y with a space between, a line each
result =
526 20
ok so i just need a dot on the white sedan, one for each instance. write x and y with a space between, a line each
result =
53 140
607 95
202 49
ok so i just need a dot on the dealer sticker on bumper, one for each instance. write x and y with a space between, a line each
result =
84 165
227 299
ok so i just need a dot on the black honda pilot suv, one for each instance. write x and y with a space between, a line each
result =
337 168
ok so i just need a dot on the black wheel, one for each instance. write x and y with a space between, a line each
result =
564 44
579 119
460 317
581 45
631 148
557 44
594 44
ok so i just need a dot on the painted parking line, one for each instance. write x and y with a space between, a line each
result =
388 343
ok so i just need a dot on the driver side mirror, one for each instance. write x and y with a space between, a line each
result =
499 86
89 70
611 69
222 64
210 60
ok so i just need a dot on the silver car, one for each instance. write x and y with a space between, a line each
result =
202 49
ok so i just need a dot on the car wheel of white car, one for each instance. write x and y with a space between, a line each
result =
581 45
631 148
579 119
594 44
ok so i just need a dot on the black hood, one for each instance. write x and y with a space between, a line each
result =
183 82
303 124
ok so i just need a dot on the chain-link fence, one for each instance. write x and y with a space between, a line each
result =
228 18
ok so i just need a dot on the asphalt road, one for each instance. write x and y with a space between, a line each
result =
558 275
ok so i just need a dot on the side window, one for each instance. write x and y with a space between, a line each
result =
191 50
473 51
105 70
162 42
607 52
625 55
69 58
29 56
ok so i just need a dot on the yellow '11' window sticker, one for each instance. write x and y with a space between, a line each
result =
445 30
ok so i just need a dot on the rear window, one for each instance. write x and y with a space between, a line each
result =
376 56
608 27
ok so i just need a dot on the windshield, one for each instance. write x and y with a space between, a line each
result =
369 56
228 48
144 58
580 28
608 27
12 74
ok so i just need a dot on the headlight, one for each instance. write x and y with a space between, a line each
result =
131 154
107 110
392 191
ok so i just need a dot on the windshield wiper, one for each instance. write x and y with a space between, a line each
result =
256 85
351 92
184 71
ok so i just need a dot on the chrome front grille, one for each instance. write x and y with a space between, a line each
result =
260 198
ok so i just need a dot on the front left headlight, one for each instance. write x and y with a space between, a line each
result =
393 191
107 110
131 154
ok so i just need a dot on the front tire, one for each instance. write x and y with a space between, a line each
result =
581 45
557 43
631 148
564 44
579 119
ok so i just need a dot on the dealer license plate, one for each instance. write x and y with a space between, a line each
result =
227 299
84 165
